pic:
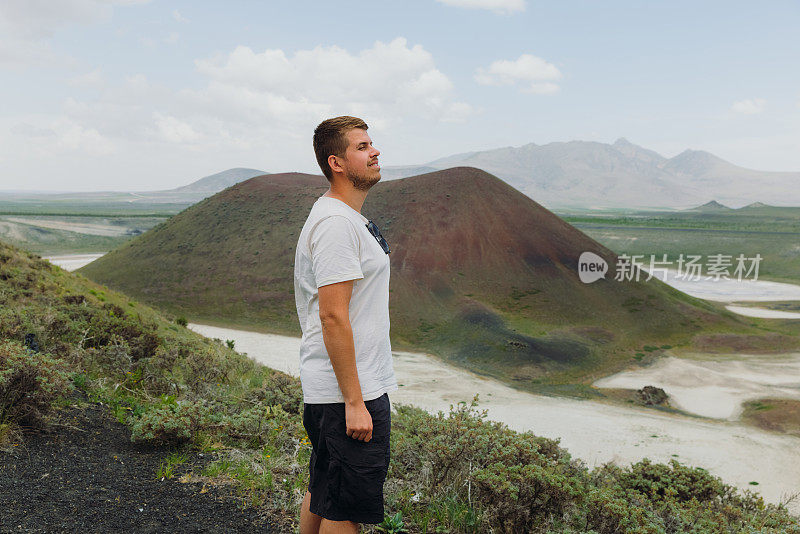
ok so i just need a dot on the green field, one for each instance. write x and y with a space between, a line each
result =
53 233
772 232
89 208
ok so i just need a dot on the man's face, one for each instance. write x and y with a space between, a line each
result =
360 161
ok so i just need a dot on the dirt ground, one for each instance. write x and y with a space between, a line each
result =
83 474
776 415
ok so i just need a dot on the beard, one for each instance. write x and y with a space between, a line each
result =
363 182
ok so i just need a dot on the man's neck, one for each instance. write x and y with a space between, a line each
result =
349 195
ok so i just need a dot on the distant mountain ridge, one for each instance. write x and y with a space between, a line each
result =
586 174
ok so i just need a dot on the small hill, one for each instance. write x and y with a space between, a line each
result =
760 209
481 274
755 205
711 206
217 182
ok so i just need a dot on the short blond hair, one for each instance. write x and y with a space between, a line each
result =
330 139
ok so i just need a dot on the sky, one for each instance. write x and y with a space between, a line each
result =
133 95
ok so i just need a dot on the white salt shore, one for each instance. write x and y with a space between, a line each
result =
716 389
70 262
593 431
729 290
764 313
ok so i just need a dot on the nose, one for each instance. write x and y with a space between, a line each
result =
375 152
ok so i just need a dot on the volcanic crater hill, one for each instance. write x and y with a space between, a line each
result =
481 274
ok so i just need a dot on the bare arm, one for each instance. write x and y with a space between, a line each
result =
337 334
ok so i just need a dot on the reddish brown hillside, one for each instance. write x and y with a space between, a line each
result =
466 220
462 232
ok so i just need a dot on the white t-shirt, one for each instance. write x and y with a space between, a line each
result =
335 246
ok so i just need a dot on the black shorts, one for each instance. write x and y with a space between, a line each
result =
347 475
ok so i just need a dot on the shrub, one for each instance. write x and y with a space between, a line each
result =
171 423
659 481
200 368
29 384
280 389
260 424
609 510
112 324
515 479
522 495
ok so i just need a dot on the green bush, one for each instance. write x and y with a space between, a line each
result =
171 423
525 494
279 389
114 323
610 510
260 424
660 481
29 384
507 481
515 480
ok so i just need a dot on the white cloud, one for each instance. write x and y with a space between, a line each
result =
498 6
174 130
27 25
533 74
253 107
178 17
751 106
74 137
388 81
48 136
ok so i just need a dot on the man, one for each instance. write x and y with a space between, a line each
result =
341 282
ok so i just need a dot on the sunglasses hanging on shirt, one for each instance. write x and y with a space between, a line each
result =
373 229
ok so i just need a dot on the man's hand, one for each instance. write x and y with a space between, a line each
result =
359 421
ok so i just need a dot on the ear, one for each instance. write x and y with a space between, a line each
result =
334 163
